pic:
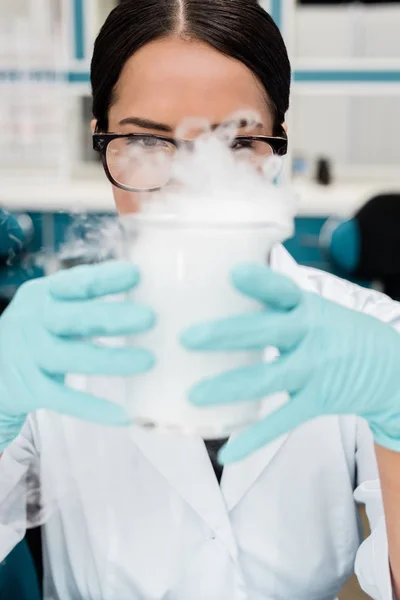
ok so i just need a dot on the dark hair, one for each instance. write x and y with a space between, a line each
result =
240 29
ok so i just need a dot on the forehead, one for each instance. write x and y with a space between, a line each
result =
170 79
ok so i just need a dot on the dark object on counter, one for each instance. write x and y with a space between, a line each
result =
324 172
373 238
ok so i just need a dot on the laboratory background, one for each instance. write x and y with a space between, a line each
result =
344 158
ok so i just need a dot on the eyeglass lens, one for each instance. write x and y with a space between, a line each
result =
145 162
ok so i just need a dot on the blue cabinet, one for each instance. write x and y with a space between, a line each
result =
305 247
52 230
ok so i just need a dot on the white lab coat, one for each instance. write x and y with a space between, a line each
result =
151 522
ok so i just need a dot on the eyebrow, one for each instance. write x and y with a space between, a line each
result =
156 126
243 123
147 124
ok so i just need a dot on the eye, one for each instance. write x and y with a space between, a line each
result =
147 143
242 144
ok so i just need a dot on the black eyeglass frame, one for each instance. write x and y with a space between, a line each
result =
101 142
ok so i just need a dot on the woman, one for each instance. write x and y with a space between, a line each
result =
283 522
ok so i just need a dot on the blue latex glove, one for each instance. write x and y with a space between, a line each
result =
43 337
333 361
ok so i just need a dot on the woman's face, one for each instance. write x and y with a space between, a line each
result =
172 79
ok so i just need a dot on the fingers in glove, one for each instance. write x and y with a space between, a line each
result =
58 357
248 332
97 318
250 383
61 399
279 423
266 286
94 281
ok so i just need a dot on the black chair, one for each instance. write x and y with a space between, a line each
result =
367 247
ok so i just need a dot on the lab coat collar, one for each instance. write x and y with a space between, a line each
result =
238 478
184 463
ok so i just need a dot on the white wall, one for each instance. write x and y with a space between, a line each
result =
353 130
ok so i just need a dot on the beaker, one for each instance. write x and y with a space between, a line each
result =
185 277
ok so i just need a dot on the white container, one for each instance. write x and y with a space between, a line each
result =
185 271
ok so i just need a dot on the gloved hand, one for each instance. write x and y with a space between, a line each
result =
333 360
43 337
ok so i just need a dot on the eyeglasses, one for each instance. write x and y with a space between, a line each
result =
143 162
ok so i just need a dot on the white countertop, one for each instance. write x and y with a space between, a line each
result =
86 195
339 199
94 195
